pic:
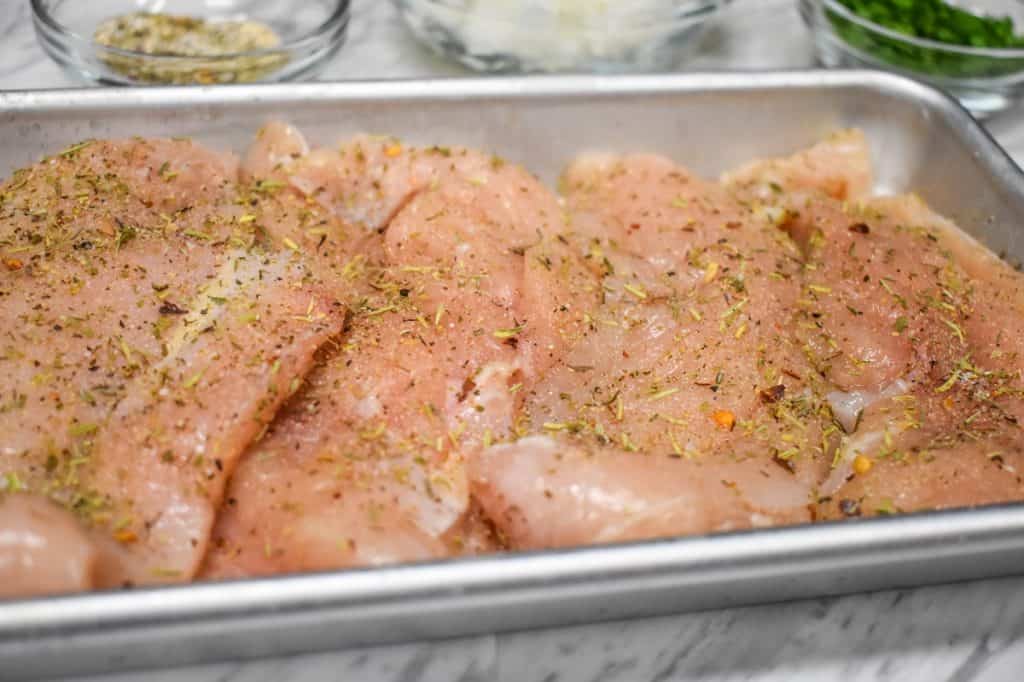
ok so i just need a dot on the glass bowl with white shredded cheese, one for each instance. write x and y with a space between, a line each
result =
600 36
190 42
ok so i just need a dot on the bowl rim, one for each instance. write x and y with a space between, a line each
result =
926 43
686 5
337 17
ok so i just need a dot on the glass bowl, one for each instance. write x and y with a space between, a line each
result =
985 80
308 32
523 36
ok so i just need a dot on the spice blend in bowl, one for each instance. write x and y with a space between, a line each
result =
168 35
240 41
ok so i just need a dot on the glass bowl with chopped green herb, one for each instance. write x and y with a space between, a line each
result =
973 49
190 42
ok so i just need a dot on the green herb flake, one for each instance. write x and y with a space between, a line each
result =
82 429
508 333
886 507
70 151
13 484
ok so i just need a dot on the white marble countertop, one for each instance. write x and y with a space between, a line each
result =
972 631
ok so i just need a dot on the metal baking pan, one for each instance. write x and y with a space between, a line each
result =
921 141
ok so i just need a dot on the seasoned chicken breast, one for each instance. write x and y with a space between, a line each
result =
370 353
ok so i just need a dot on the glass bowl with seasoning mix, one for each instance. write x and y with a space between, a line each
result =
190 42
974 50
602 36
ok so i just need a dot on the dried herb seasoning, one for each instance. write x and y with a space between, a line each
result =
182 50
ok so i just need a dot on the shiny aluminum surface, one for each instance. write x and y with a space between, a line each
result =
921 141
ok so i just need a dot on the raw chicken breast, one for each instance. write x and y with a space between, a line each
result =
350 473
101 244
43 549
689 352
685 368
366 465
559 289
839 166
367 180
147 337
544 493
869 315
923 455
165 453
914 325
992 311
277 145
374 353
951 440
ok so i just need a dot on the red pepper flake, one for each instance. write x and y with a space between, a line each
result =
13 264
125 536
862 464
725 419
860 228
